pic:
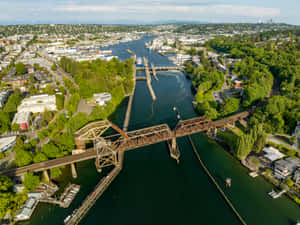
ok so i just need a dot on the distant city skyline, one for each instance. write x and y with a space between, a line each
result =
145 12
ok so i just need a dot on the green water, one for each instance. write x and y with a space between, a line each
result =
153 190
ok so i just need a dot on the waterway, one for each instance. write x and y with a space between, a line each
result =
152 189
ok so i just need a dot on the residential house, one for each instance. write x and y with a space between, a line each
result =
285 167
296 176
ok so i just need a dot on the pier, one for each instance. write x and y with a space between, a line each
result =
148 76
154 71
129 106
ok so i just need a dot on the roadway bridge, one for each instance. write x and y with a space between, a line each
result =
107 150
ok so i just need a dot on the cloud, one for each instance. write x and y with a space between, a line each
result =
220 10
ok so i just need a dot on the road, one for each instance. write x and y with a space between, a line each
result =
274 139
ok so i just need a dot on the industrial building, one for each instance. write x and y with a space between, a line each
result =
38 103
23 119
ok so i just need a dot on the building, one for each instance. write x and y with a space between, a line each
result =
297 130
3 97
238 84
23 119
7 143
272 154
15 81
38 103
102 98
296 176
26 211
285 167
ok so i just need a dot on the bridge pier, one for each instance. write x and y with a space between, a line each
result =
73 170
174 149
46 175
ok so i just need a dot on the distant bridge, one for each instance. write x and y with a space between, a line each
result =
160 68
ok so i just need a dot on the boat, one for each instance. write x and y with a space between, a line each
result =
228 182
66 220
139 61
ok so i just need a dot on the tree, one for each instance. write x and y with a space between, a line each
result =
54 67
77 122
66 142
15 127
50 150
20 68
231 105
5 183
259 137
289 182
4 122
60 101
244 146
13 101
40 157
31 181
23 157
55 172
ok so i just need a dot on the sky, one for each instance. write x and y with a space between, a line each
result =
147 11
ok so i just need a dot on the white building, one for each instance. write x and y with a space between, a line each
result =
272 154
38 103
26 212
102 98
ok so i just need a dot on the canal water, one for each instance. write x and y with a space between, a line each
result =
152 189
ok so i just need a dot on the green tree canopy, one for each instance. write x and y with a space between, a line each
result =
31 181
20 68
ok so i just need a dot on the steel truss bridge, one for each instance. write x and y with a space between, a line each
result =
106 149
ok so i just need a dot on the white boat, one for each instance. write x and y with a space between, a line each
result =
67 219
139 61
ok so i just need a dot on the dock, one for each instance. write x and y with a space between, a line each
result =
148 76
275 195
66 197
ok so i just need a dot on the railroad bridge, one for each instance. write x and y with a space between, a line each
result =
107 149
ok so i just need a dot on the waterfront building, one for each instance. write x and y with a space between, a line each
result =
285 167
26 211
7 143
296 176
272 154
